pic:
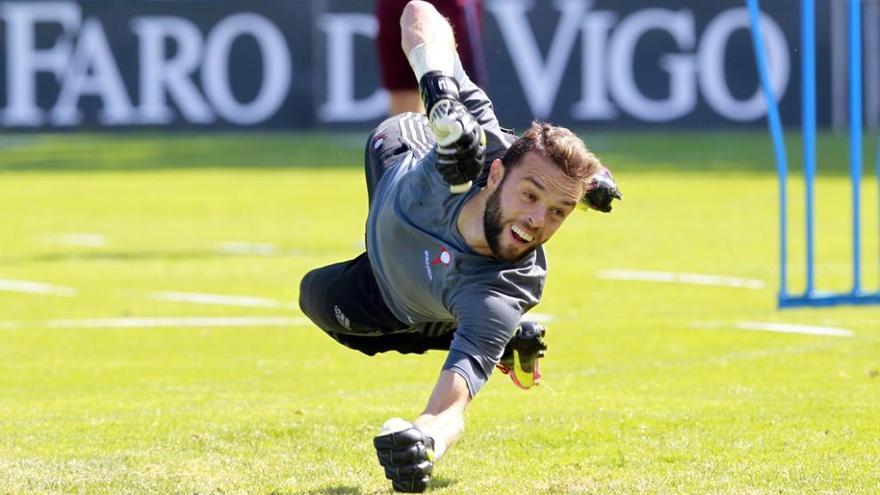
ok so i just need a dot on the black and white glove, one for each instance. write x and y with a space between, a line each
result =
461 142
407 454
601 191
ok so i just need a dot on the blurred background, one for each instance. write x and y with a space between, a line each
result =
269 64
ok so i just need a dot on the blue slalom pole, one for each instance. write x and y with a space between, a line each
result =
855 131
808 128
775 124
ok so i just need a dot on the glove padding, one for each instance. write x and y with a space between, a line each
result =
461 142
434 86
408 458
601 191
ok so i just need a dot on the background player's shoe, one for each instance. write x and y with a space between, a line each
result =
520 358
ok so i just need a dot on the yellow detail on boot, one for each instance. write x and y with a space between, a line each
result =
527 380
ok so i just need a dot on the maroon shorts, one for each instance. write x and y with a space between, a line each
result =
466 19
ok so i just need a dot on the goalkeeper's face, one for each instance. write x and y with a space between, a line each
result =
527 206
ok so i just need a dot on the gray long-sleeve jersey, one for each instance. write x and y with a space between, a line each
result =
426 271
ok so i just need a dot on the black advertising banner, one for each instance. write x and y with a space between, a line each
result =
156 63
643 62
301 64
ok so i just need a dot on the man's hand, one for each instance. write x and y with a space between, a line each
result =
601 191
407 454
461 142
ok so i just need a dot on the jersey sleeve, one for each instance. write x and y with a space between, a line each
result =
468 367
475 99
478 103
485 324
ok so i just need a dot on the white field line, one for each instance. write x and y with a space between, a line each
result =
10 325
31 287
793 328
247 248
218 299
538 317
779 328
682 278
169 322
83 239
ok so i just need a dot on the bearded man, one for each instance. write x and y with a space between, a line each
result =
459 209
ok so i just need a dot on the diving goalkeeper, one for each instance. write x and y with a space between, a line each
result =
458 211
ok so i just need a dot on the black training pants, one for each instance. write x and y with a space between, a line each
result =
343 299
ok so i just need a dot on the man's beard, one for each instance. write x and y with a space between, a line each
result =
493 228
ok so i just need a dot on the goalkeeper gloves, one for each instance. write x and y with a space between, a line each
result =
461 142
407 454
601 191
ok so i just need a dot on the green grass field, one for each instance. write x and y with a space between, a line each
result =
648 387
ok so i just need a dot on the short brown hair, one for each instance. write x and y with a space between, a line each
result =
559 145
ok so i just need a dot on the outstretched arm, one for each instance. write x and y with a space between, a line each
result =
408 451
443 417
429 44
422 23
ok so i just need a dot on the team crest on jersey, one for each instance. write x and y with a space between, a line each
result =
444 258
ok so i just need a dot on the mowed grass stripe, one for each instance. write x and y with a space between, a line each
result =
81 239
217 299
